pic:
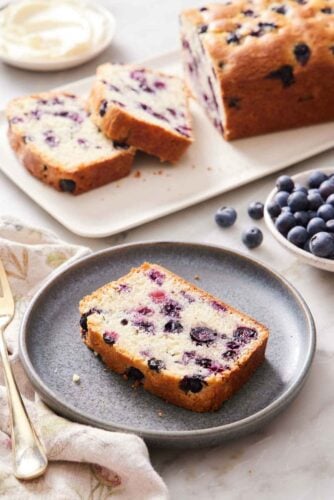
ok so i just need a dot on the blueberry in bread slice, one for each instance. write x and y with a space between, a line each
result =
144 108
56 141
258 67
180 342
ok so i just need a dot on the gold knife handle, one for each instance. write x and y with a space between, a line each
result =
29 458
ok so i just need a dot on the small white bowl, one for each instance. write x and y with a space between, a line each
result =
68 62
303 255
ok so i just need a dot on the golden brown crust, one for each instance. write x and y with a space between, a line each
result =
217 388
262 103
119 125
85 177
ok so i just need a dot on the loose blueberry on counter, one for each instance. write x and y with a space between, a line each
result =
316 178
252 237
281 198
316 225
326 212
330 200
203 335
298 236
273 208
298 201
156 364
226 217
67 185
134 373
322 244
327 188
285 222
285 183
315 200
330 226
255 210
191 384
302 218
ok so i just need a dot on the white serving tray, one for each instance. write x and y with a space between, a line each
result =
210 167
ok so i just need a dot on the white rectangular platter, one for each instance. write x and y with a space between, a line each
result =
210 167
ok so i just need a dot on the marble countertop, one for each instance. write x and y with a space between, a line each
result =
293 457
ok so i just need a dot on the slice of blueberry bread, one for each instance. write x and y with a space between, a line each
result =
144 108
258 66
180 342
57 142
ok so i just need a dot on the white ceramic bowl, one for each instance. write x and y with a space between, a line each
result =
308 258
69 62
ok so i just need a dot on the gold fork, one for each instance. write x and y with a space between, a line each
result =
29 458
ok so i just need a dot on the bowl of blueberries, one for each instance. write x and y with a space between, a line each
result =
299 212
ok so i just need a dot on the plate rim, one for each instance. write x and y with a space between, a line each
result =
171 207
307 258
242 425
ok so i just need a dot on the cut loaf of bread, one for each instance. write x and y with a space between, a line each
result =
142 107
57 142
180 342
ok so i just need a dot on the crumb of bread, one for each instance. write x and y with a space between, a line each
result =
137 174
76 378
196 277
160 413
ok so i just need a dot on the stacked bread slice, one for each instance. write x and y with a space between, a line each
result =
76 146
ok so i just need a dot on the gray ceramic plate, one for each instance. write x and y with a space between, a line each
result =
52 351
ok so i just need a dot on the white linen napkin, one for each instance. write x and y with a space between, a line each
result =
84 462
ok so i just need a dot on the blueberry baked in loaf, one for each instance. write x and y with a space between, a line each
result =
263 65
180 342
57 142
144 108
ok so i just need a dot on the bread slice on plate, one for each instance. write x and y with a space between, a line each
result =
180 342
144 108
56 141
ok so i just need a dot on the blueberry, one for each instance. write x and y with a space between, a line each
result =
110 337
298 236
299 187
316 225
83 319
255 210
302 217
232 38
326 212
327 188
322 244
285 222
315 200
312 214
244 334
273 208
302 53
191 384
330 226
281 198
171 308
67 185
204 362
203 335
233 345
284 73
226 216
103 107
124 322
316 178
298 201
330 199
173 326
306 246
286 210
281 9
285 183
134 373
156 364
252 237
230 354
203 28
156 276
145 326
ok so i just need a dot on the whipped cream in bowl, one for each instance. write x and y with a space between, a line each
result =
49 35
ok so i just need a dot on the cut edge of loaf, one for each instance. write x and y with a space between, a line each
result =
166 385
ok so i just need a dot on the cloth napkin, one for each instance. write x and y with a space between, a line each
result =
84 462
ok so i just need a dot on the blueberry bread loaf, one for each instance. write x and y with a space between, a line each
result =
144 108
263 65
57 142
181 343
